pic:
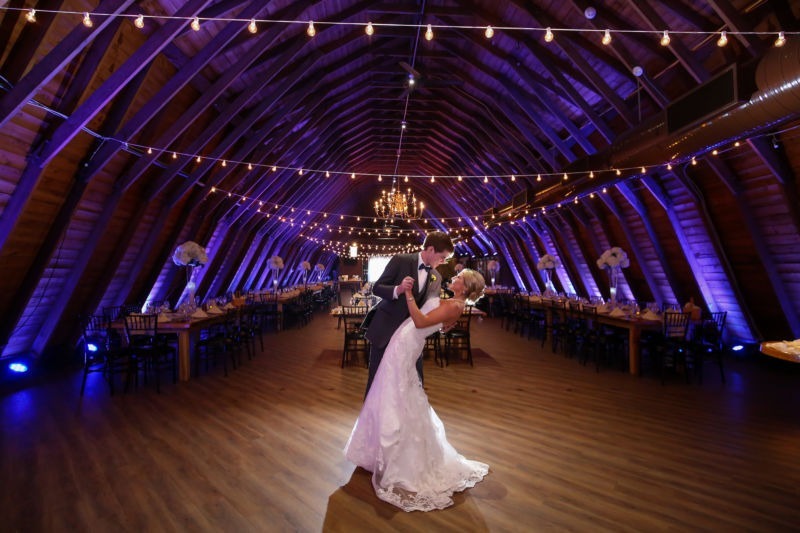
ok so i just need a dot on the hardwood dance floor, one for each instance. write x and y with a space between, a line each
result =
261 450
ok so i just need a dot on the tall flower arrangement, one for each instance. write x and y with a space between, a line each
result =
320 268
493 267
614 259
547 263
275 263
306 266
189 254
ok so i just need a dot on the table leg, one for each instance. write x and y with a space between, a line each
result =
184 355
634 350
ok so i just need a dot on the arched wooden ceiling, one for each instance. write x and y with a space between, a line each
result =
90 217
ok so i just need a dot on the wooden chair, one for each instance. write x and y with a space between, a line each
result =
151 351
670 348
355 341
457 339
707 343
103 352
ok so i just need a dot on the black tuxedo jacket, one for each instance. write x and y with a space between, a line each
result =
389 313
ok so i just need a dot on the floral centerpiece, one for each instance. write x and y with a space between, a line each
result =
547 263
190 254
320 268
614 259
494 267
306 266
275 263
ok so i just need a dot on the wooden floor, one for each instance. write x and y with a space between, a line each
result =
261 450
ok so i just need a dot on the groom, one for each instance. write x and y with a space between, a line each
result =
416 271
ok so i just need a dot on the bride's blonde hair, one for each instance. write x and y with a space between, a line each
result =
474 283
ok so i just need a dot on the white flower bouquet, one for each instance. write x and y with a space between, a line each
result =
305 265
493 265
320 267
614 258
547 262
276 262
190 254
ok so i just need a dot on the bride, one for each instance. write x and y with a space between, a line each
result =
398 436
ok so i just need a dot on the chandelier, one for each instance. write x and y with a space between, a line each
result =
398 204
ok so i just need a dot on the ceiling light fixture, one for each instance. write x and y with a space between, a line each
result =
397 204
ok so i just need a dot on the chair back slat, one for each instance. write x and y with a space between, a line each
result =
676 324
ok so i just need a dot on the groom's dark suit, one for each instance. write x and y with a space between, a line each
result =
390 313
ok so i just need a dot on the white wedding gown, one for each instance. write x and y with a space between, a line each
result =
400 439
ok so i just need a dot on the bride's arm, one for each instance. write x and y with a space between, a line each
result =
445 313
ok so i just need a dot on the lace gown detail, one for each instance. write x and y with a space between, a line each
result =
400 439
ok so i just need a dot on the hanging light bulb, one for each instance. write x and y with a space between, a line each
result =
486 179
198 159
87 20
274 168
139 22
606 40
665 39
429 33
591 174
252 28
781 40
723 39
327 174
513 177
565 177
174 155
694 161
489 33
460 178
300 172
249 166
311 31
538 177
149 150
405 180
195 24
353 176
30 16
369 30
224 163
433 179
548 35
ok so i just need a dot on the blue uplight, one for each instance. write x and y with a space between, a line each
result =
18 367
737 348
91 347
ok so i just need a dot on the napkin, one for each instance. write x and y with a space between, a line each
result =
199 314
163 317
603 308
617 313
650 315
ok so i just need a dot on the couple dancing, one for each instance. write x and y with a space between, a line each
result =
398 436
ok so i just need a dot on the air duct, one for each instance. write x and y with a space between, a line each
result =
775 101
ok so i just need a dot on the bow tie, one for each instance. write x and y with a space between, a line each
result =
426 267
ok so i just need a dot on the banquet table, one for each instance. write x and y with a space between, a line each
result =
187 332
633 324
786 350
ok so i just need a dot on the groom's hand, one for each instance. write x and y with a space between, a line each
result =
406 285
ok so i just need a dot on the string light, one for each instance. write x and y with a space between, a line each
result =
548 35
606 40
30 16
665 39
311 31
198 159
781 40
87 20
429 33
369 30
139 22
252 28
489 33
195 24
723 39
